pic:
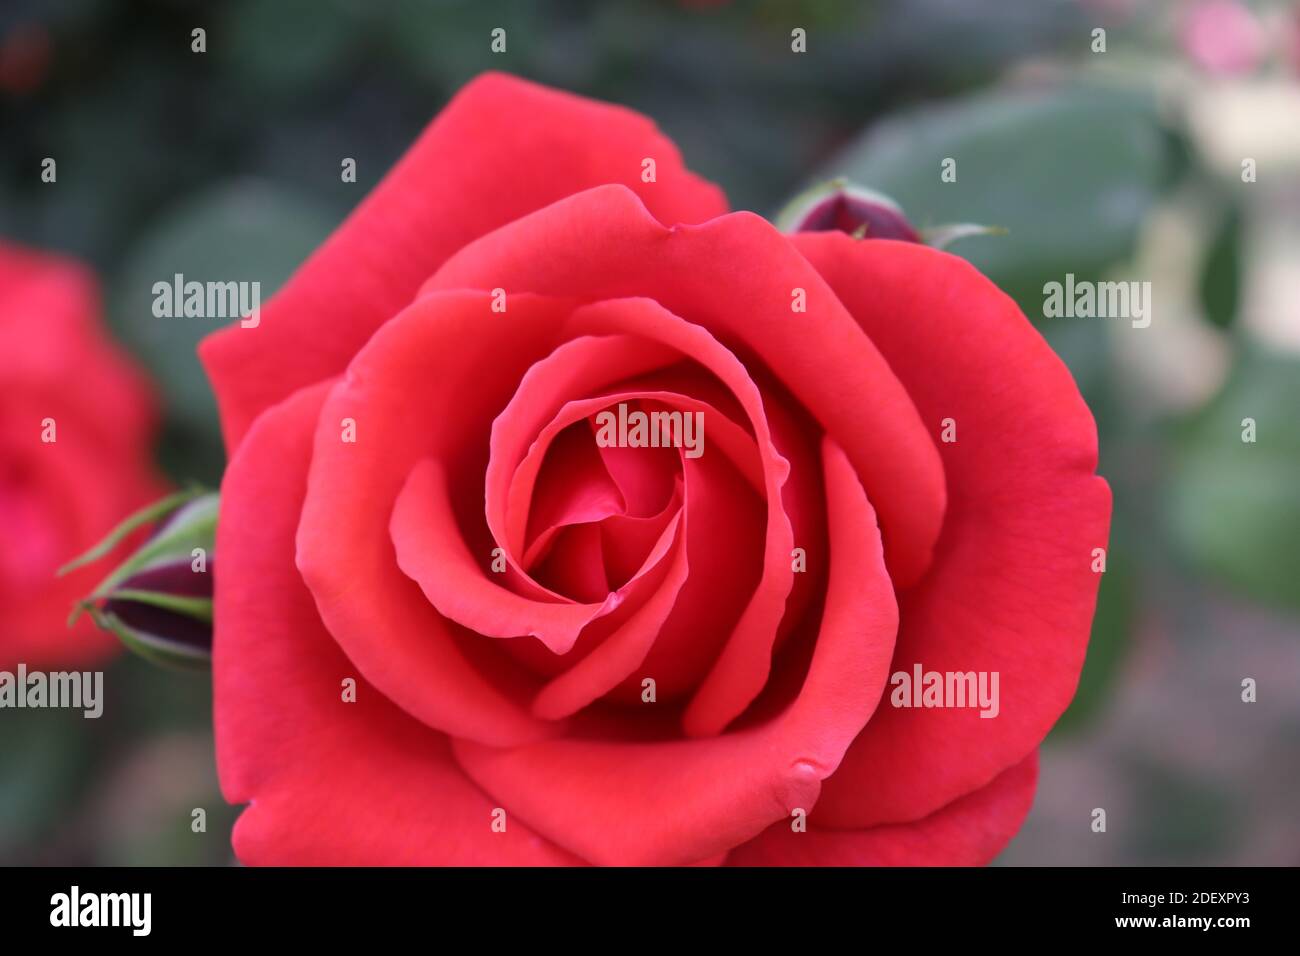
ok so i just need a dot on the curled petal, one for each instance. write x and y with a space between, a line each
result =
970 831
328 782
679 801
396 393
603 244
501 148
1012 590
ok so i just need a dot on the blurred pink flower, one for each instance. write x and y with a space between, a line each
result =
1222 37
1293 38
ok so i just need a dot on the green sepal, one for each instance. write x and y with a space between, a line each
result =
199 608
193 525
146 515
152 648
941 237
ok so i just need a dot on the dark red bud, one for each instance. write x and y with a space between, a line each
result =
859 214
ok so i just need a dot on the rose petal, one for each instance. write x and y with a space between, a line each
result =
327 782
737 277
724 534
431 551
1011 589
657 546
526 427
573 488
970 831
625 540
408 403
741 669
618 654
574 564
598 332
678 801
501 148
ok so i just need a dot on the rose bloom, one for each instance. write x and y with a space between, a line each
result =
453 627
76 422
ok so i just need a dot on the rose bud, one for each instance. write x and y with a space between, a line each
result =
159 601
840 206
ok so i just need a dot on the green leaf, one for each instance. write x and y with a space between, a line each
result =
1234 506
254 53
1070 173
1219 286
45 760
241 231
460 31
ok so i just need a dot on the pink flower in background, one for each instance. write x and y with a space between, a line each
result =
1222 37
76 419
1293 38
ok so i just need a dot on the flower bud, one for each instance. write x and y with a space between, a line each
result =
159 601
840 206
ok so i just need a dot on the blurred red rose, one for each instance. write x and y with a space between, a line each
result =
76 419
442 598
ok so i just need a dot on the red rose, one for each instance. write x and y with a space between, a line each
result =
418 501
75 427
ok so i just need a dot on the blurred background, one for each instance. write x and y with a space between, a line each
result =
1123 163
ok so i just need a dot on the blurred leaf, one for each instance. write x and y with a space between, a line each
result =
42 758
144 698
169 839
289 46
1086 350
1182 161
446 44
1070 173
1199 816
1234 506
245 231
144 814
1220 281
